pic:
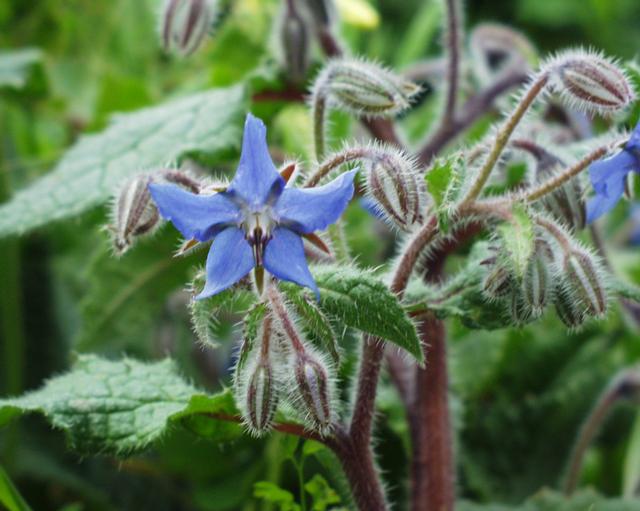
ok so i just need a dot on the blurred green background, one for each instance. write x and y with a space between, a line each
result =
518 396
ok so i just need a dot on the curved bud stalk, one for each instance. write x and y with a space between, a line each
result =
498 50
397 188
185 24
590 82
294 38
134 213
585 282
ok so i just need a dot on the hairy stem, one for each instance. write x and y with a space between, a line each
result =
319 122
346 156
432 467
453 59
502 138
471 111
560 179
623 385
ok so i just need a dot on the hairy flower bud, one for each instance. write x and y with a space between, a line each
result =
261 397
584 282
537 281
568 311
365 88
397 188
294 36
312 384
520 311
185 24
566 204
499 280
134 213
590 82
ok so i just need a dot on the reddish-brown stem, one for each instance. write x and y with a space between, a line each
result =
432 468
292 94
453 60
470 112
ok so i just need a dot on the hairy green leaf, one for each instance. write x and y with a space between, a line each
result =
272 493
9 496
361 300
518 238
126 295
123 406
207 122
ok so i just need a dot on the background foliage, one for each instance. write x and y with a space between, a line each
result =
519 395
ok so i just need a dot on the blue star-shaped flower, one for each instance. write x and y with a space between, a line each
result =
608 177
257 221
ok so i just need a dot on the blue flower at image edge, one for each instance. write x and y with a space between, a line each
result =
608 177
257 221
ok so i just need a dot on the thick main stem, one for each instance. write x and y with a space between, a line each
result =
432 467
453 60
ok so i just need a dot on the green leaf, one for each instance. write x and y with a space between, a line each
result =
271 492
207 122
18 66
518 238
360 300
126 295
315 324
123 406
10 498
438 178
446 181
323 495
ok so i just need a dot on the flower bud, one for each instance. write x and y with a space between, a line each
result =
134 214
498 281
364 88
312 384
185 24
568 311
584 282
261 397
294 35
537 282
397 188
590 82
520 311
566 204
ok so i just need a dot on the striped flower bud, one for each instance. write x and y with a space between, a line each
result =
520 311
590 82
185 24
397 188
537 281
364 88
313 386
568 311
294 36
498 282
584 282
261 397
134 213
566 204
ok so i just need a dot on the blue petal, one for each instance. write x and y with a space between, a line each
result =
284 258
256 181
230 258
602 171
311 209
608 190
634 141
195 216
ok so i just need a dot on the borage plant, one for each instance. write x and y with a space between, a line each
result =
318 327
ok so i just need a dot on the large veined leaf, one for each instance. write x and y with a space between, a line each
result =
361 300
119 407
207 122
